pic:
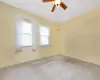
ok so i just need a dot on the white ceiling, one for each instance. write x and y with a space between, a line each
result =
37 7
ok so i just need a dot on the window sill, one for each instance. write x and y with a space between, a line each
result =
25 46
44 45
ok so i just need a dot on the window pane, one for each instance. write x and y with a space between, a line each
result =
26 40
26 27
44 31
44 40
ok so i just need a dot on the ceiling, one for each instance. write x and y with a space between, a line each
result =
37 7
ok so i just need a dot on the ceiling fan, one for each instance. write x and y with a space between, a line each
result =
56 3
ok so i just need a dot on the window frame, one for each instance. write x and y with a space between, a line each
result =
19 19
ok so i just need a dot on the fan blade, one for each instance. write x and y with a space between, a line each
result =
63 5
53 8
48 0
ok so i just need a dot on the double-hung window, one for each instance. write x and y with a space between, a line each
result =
25 33
44 36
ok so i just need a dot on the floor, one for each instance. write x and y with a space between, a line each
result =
52 68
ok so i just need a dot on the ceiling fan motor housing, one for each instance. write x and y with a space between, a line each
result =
56 3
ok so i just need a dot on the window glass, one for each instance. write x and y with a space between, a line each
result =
44 36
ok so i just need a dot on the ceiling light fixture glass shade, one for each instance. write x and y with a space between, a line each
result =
57 1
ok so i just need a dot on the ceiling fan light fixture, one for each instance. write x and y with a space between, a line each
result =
57 2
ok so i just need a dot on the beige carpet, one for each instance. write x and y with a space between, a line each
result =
52 68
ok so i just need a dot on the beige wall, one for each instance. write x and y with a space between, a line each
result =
7 37
80 37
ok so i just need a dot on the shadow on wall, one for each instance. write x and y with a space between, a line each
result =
84 43
83 38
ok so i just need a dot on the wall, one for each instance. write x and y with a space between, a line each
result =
7 37
80 37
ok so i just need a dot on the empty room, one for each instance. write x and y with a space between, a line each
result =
49 39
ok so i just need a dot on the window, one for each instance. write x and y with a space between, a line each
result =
25 34
44 36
